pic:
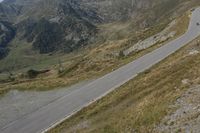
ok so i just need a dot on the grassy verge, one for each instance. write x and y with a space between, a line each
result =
141 103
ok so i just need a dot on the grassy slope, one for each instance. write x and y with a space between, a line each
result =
142 102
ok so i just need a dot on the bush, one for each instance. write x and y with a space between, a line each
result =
121 54
34 73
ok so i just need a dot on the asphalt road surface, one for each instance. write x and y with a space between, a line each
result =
55 112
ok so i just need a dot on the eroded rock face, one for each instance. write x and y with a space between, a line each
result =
54 25
7 33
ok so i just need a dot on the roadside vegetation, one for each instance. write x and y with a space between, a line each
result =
140 104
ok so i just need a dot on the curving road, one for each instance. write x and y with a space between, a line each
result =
50 115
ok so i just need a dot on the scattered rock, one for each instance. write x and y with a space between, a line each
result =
82 125
187 117
158 38
185 81
193 52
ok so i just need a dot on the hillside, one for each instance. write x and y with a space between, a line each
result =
7 30
43 32
49 44
62 26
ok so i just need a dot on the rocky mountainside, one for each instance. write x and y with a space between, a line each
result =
50 25
8 12
7 33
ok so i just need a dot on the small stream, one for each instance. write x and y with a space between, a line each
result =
16 104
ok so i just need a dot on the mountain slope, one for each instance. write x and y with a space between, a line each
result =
7 33
74 22
8 12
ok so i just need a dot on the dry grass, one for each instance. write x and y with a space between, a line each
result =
182 21
141 103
